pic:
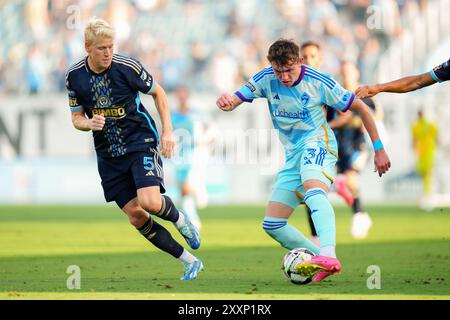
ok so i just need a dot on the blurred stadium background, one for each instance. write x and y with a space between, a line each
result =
211 47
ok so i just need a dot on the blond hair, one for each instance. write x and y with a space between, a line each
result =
97 28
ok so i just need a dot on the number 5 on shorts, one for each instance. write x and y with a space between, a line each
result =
148 164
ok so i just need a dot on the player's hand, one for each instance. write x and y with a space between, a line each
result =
225 102
167 144
97 122
366 92
382 162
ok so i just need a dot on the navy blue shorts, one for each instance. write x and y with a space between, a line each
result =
122 176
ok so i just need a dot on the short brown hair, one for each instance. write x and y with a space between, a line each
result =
283 52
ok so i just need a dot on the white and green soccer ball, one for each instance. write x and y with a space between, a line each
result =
291 260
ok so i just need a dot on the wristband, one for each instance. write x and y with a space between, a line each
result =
377 145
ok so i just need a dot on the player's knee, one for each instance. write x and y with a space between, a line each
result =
185 190
272 227
269 231
151 204
137 216
353 185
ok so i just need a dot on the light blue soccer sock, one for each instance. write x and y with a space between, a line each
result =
322 214
287 235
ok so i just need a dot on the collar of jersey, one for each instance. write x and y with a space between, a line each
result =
300 77
93 72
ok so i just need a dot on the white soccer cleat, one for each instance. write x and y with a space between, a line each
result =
197 223
361 224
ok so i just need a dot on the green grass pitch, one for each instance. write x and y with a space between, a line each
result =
38 243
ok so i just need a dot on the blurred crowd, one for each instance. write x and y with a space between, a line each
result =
210 46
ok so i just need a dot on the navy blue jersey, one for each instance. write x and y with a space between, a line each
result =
441 72
350 137
115 94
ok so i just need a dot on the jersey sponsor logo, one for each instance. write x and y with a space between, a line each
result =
250 86
291 115
117 112
276 97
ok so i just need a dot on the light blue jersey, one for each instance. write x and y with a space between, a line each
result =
299 115
185 122
298 111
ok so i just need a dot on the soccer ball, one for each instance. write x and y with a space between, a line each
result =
291 260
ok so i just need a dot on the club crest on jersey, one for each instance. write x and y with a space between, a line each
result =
305 99
103 101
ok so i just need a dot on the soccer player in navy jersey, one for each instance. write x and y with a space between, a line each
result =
410 83
104 98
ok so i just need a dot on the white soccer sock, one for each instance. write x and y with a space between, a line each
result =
189 206
186 256
180 222
328 251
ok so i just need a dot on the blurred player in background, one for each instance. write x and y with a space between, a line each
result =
296 95
424 136
312 56
103 93
353 151
410 83
183 119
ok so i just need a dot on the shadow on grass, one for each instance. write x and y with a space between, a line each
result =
407 268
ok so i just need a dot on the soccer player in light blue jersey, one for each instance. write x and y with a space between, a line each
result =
183 119
296 94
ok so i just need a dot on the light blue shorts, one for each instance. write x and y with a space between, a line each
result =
311 163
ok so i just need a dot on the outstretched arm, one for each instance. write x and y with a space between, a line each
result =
382 162
402 85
